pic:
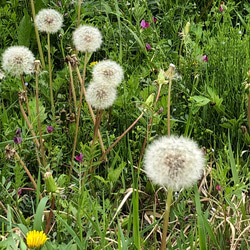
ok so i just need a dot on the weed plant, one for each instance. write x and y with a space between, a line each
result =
105 200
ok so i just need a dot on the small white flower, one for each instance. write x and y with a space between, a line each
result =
48 20
108 71
175 162
87 38
100 96
18 60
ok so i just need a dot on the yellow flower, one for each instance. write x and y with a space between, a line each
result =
92 64
36 239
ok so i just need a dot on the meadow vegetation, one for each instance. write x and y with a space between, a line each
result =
72 169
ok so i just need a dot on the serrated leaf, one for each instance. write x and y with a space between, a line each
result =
24 30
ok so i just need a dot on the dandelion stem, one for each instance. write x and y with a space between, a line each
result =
27 171
37 34
72 85
50 80
79 112
26 96
50 215
248 110
39 122
79 12
166 219
91 112
148 128
169 99
121 136
97 123
28 123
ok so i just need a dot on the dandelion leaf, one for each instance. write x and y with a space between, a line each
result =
24 30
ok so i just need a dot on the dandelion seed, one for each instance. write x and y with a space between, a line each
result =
1 75
175 162
48 20
87 38
109 72
36 239
18 60
100 96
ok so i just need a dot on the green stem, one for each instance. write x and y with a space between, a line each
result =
248 110
79 12
169 98
26 96
37 34
166 219
50 80
39 123
79 112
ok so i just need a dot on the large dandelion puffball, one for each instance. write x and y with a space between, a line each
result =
87 38
48 20
18 60
108 71
100 96
175 162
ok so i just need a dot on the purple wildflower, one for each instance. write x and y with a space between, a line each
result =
20 191
160 110
79 157
154 19
148 47
50 129
205 59
186 218
17 139
59 3
221 9
144 24
218 187
18 131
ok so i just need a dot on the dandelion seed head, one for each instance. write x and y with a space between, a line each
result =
175 162
100 96
87 38
109 72
48 20
18 60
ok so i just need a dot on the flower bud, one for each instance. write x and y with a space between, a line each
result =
49 182
187 28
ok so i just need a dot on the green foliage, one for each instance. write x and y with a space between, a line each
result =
109 203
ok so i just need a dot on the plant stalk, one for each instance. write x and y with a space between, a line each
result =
39 124
169 99
50 80
91 112
79 112
72 85
166 219
37 34
26 96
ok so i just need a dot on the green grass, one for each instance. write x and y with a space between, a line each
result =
112 204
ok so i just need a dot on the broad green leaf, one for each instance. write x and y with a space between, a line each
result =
24 30
39 214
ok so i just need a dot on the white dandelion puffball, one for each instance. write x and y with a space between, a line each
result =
175 162
108 71
48 20
87 38
100 96
18 60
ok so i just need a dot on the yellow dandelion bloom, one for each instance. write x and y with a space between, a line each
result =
92 64
36 239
